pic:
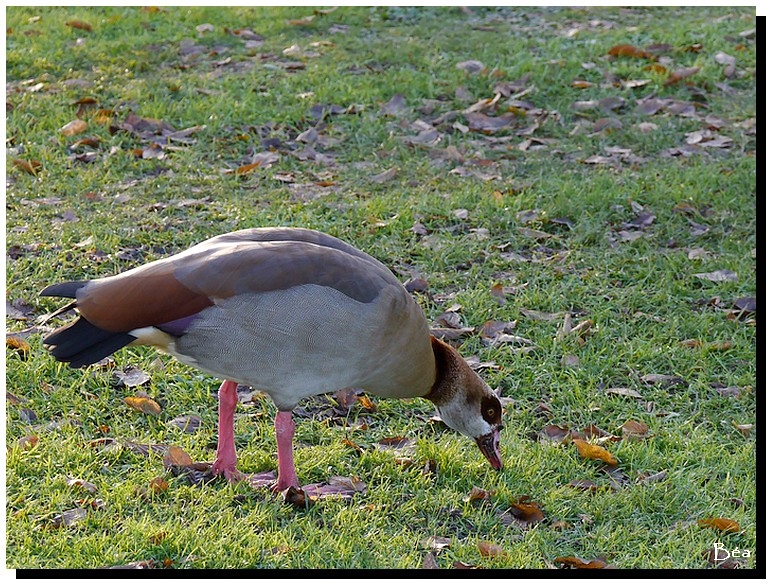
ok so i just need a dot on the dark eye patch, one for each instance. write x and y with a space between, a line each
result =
491 409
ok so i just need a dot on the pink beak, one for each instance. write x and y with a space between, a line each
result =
489 445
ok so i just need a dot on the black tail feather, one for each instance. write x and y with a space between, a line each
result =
63 289
81 343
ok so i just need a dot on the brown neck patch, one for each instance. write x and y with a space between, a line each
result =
442 391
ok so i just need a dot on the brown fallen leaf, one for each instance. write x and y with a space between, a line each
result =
478 494
18 344
680 74
584 484
78 24
430 561
589 451
577 563
73 128
629 51
143 404
634 430
186 423
158 485
720 524
527 511
744 429
28 166
28 441
490 549
176 456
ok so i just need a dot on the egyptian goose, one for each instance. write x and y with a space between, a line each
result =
292 312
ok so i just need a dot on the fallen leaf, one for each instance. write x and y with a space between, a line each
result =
83 484
28 441
577 563
634 430
385 176
541 316
584 485
527 511
478 494
471 66
745 429
558 434
189 423
430 561
158 485
304 21
395 106
720 524
78 24
298 498
629 51
131 377
680 74
18 344
143 404
175 456
490 549
73 128
589 451
68 517
664 380
28 166
722 275
437 543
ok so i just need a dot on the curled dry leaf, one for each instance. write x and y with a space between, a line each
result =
526 511
298 498
477 494
720 524
589 451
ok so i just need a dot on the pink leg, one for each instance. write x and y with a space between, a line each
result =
225 461
285 430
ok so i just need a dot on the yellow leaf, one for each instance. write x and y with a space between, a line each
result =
143 404
721 524
589 451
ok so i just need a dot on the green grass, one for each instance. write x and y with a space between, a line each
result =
75 220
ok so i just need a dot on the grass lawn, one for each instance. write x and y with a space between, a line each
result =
570 192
